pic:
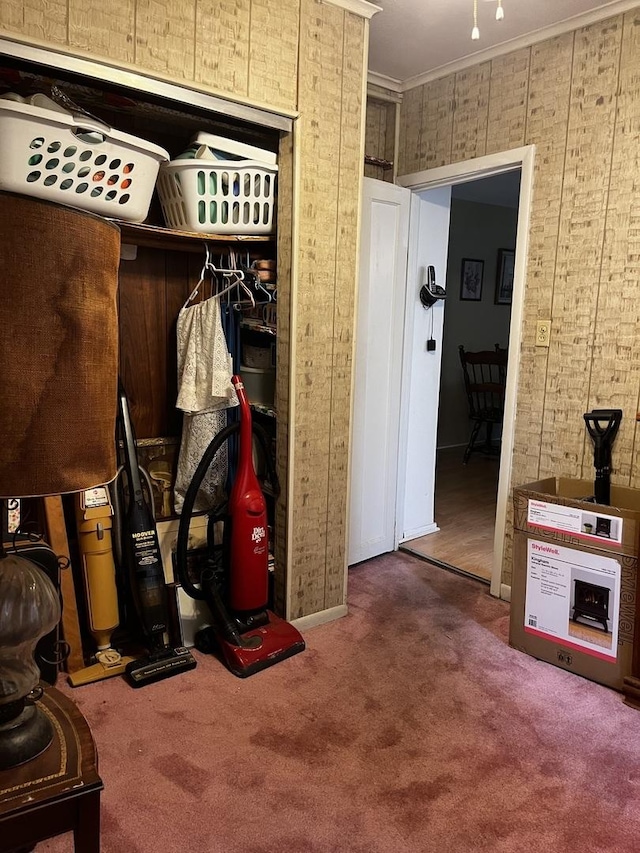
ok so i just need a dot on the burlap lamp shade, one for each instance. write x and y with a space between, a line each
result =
58 348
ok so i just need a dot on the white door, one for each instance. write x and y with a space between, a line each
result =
429 243
378 369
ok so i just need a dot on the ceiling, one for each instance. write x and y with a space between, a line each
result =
502 190
410 38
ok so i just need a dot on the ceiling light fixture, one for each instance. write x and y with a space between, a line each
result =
475 32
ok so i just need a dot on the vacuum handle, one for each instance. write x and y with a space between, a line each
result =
246 444
130 454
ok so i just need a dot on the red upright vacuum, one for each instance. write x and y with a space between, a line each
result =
249 636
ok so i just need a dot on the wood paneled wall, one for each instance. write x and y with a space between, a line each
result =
577 98
330 104
379 140
298 55
153 289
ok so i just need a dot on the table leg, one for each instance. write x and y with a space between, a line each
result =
86 835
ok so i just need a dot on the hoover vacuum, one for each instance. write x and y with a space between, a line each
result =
146 574
249 636
603 425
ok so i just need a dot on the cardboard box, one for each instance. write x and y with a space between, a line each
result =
573 591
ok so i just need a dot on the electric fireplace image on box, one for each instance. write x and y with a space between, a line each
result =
591 602
606 527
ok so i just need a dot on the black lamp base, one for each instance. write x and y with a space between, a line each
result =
24 735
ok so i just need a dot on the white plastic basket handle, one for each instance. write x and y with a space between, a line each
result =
86 122
88 125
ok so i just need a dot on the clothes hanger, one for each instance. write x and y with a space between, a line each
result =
210 268
196 289
235 283
247 290
238 279
253 280
232 269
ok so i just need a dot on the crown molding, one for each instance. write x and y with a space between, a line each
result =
358 7
584 19
375 93
384 82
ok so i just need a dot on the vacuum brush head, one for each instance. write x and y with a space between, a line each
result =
159 665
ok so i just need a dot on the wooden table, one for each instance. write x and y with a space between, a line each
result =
59 791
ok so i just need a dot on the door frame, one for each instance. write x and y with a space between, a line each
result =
460 173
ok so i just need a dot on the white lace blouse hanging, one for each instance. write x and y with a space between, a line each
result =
205 392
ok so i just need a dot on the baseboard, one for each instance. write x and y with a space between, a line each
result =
505 592
320 618
419 531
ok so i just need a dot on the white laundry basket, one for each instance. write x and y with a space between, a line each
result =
221 197
234 150
76 161
259 383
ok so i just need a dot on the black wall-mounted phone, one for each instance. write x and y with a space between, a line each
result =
431 292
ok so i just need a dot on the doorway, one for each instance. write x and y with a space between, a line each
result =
394 426
448 177
477 312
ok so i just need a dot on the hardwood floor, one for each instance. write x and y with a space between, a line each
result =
465 509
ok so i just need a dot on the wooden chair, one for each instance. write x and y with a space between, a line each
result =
485 376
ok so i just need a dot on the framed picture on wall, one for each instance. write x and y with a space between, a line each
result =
471 279
504 276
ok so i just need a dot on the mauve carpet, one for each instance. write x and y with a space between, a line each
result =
410 725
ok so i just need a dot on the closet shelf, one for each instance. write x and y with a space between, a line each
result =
158 237
263 410
257 326
378 161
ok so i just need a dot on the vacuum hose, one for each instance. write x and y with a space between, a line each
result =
182 544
